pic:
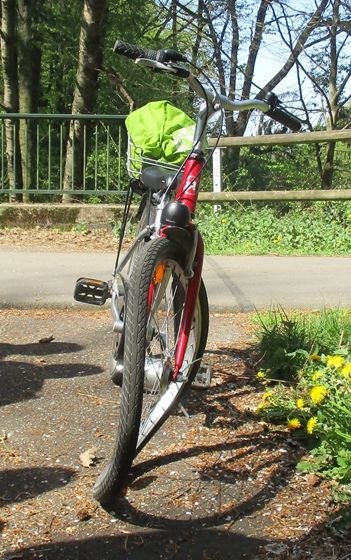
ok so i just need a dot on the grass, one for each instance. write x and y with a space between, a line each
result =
284 340
319 228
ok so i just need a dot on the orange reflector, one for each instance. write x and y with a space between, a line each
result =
159 273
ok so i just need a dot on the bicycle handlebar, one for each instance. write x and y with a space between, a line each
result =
269 104
280 114
134 52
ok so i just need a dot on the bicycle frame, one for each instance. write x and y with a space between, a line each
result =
187 194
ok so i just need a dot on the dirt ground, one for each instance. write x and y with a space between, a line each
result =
81 239
215 483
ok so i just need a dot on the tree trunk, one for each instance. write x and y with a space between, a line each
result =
89 65
240 126
237 128
28 80
328 168
11 100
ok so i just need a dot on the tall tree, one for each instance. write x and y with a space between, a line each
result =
328 70
85 91
11 95
28 84
233 38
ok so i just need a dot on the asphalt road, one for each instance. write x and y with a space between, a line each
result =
240 283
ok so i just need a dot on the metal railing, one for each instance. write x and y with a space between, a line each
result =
44 143
39 156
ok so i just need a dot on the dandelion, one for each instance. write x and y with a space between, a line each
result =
311 424
260 375
267 395
300 403
294 424
318 394
335 362
316 376
260 406
346 370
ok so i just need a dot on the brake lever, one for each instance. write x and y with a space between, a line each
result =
161 67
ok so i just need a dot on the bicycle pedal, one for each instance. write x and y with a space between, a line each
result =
89 290
202 378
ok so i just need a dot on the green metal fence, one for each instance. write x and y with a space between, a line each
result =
38 157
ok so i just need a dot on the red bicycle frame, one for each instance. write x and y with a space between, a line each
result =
187 193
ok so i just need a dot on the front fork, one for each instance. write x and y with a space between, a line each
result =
191 296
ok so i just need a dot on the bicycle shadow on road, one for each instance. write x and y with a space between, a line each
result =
214 544
243 492
25 483
218 467
23 379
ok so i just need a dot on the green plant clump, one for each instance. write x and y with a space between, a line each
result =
308 386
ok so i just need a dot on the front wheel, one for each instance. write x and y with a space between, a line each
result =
153 315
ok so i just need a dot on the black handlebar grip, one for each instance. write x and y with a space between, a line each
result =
133 52
285 118
281 115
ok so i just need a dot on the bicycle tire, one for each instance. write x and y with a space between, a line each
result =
150 339
116 365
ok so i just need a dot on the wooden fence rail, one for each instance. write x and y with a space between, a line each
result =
321 136
282 140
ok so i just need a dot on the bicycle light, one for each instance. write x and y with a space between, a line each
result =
175 214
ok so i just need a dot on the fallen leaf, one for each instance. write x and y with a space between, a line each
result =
84 514
46 339
88 458
313 480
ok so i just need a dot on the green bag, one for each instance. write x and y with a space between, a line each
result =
158 131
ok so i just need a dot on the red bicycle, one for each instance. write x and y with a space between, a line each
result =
158 299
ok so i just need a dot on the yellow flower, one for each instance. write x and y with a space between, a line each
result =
294 424
318 394
300 403
260 406
315 376
267 395
260 375
346 370
315 358
311 424
335 361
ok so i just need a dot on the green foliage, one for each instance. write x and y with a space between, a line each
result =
320 228
275 168
56 25
285 341
81 228
140 26
314 402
